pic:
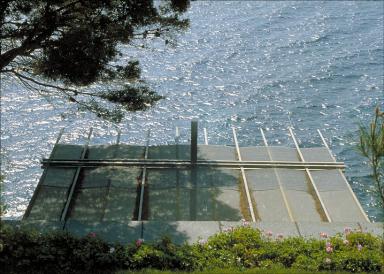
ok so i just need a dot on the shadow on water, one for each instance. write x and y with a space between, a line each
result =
106 199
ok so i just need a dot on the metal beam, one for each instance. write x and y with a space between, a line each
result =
244 177
143 178
318 197
278 179
186 163
75 179
344 179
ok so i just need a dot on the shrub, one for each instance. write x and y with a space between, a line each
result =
236 248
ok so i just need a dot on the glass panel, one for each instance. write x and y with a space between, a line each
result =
48 204
317 154
170 152
328 180
62 151
59 176
89 204
115 152
254 154
210 152
120 204
284 154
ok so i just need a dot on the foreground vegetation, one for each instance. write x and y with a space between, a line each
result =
274 270
371 146
238 248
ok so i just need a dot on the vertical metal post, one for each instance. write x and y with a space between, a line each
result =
194 129
344 179
278 179
177 137
244 177
193 194
193 198
75 179
143 178
118 136
318 197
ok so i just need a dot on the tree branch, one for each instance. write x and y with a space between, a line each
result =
63 89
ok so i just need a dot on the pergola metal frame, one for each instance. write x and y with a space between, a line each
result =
193 164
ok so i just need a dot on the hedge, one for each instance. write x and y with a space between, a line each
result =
25 251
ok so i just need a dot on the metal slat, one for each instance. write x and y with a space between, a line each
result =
177 135
205 136
310 177
139 217
278 179
75 179
244 177
344 179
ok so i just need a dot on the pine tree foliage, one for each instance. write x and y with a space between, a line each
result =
371 146
63 47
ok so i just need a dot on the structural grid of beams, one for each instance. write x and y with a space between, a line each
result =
143 179
244 177
42 178
63 217
317 196
356 201
287 206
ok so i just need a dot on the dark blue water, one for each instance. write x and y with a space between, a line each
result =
310 65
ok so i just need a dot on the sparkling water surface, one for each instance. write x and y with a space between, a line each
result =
309 65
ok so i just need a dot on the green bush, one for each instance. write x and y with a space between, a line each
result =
237 248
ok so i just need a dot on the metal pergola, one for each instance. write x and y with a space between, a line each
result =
194 163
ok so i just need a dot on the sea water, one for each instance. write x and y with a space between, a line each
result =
271 65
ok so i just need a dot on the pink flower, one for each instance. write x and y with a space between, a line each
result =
202 242
244 222
327 260
280 236
346 242
139 242
359 247
328 244
329 249
347 230
92 234
323 235
269 233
